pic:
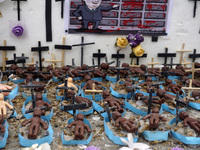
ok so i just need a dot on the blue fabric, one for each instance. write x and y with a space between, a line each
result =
4 140
55 79
28 116
28 143
12 94
77 142
155 135
116 94
112 79
17 81
194 105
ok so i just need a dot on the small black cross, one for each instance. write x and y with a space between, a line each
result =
93 63
73 64
18 7
86 71
157 84
39 49
108 109
117 56
150 101
177 106
21 58
133 88
15 60
195 7
106 60
166 55
74 107
32 87
171 63
62 6
194 55
99 55
132 55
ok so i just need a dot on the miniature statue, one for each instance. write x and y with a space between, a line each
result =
127 84
196 94
35 124
154 118
37 89
40 103
80 99
124 72
2 128
186 80
75 72
89 83
3 106
112 101
193 123
69 83
126 124
155 71
158 100
104 66
148 84
179 71
55 72
197 65
174 87
14 67
65 69
97 72
136 70
80 127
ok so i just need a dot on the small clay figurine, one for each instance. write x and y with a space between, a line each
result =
173 87
126 124
80 99
186 80
179 71
148 84
97 72
40 103
154 118
89 83
2 128
158 100
197 65
80 127
55 72
75 72
196 94
3 105
127 84
193 123
69 83
65 69
35 124
136 70
155 71
104 66
112 101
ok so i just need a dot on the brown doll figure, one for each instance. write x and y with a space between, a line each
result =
80 99
75 72
3 106
55 72
173 87
193 123
104 66
126 124
65 69
2 128
155 71
148 84
37 89
35 124
97 72
155 101
69 83
136 70
154 118
186 80
112 101
80 127
127 84
89 83
196 94
40 103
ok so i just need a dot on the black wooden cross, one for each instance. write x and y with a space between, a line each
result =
5 48
166 55
73 64
108 109
15 60
133 88
117 56
62 6
32 87
39 49
195 7
157 84
132 55
150 101
65 88
194 55
18 7
93 63
178 101
48 20
171 63
167 73
99 55
74 107
85 71
21 58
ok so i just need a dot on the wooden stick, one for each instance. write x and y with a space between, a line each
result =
182 51
185 63
53 60
32 62
190 88
4 56
63 53
94 91
152 63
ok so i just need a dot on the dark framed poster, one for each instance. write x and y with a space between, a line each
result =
118 16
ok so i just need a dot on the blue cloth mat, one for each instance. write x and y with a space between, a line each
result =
4 140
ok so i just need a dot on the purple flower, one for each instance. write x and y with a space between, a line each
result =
133 44
139 38
130 38
17 31
92 148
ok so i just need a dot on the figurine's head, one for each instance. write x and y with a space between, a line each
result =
38 96
87 77
155 110
84 67
104 66
148 79
116 115
37 112
168 81
184 79
70 80
105 94
1 119
1 97
31 68
165 68
138 95
179 67
80 117
161 93
93 4
125 65
49 67
143 67
13 67
183 115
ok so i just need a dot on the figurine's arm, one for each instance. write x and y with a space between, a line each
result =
8 105
47 104
185 122
162 118
44 125
74 87
71 124
120 102
117 122
146 117
85 86
133 122
87 128
61 85
97 82
26 122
